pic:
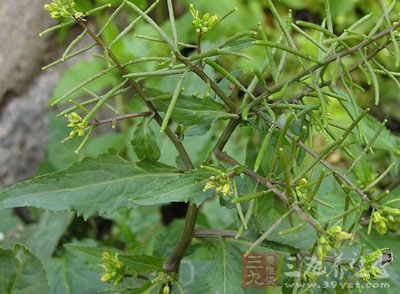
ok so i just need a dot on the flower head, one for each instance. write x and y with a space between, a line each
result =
114 269
332 238
369 269
202 24
385 218
221 183
76 124
61 8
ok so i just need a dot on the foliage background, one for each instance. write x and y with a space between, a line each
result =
142 229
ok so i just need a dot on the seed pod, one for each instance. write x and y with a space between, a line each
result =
280 94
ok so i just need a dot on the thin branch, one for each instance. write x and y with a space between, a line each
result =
326 61
121 117
316 155
178 145
265 182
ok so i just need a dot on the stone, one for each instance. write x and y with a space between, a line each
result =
21 49
23 130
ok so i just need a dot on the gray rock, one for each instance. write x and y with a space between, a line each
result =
23 130
21 49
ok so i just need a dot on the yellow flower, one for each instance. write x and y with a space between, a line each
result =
221 183
332 238
114 269
61 8
202 24
76 124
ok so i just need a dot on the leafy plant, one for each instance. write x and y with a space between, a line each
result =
261 132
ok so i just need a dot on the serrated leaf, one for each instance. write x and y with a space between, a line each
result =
21 272
145 143
224 275
90 255
93 257
191 111
69 275
142 263
187 187
94 185
41 238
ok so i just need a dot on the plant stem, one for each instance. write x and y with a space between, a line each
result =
178 145
326 61
191 217
184 240
122 117
265 182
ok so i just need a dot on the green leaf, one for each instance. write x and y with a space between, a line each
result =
187 187
191 111
90 255
9 221
268 211
94 185
60 155
78 73
224 275
144 142
41 238
69 275
141 263
386 141
21 272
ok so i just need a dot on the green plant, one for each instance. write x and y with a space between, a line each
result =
295 111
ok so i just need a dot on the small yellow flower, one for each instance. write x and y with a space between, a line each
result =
222 184
368 269
202 24
76 124
384 218
61 8
332 238
114 269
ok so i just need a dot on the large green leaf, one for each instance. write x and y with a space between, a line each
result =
188 187
21 272
41 238
145 143
93 185
191 111
224 275
142 263
69 275
92 256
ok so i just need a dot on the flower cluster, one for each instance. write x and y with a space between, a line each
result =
332 238
368 269
202 24
385 217
114 269
75 123
61 8
221 183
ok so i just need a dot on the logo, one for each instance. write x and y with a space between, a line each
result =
260 270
